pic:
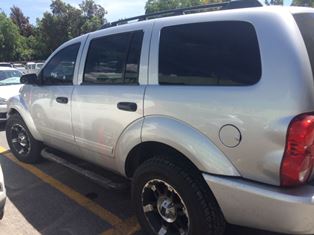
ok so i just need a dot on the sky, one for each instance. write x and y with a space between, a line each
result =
117 9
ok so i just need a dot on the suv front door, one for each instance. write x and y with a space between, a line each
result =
51 101
111 94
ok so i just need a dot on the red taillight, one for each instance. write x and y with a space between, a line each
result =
297 162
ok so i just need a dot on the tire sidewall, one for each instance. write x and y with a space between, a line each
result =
34 153
181 185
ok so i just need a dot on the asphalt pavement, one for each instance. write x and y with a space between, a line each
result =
49 198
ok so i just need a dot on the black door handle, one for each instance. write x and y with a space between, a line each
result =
127 106
62 100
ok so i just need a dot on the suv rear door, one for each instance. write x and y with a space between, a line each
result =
110 96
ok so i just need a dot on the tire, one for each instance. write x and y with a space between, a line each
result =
21 142
174 200
1 214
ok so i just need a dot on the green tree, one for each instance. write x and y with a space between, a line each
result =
91 9
21 21
65 22
304 3
274 2
11 42
19 40
93 16
152 6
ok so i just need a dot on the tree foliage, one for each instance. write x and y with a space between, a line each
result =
19 40
68 22
274 2
21 21
303 3
161 5
11 42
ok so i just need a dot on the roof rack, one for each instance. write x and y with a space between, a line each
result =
233 4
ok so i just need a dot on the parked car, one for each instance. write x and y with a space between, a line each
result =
32 67
9 86
5 64
20 67
2 194
210 114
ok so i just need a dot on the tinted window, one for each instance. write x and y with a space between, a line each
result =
60 69
211 53
114 59
305 22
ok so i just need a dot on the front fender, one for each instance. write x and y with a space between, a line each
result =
18 104
190 142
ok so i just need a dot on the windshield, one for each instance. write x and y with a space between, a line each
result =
5 65
9 77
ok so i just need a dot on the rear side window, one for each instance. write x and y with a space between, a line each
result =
305 21
212 53
114 59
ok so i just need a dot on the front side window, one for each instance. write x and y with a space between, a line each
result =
60 69
114 59
212 53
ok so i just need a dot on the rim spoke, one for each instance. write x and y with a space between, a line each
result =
164 208
163 230
156 190
20 139
148 208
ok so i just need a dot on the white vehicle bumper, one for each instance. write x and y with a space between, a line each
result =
284 210
3 112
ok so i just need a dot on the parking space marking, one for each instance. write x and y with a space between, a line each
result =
120 227
128 227
75 196
2 150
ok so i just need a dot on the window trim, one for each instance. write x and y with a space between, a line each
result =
131 36
156 47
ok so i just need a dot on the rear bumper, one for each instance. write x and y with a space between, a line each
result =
265 207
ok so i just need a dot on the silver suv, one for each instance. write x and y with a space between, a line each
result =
210 114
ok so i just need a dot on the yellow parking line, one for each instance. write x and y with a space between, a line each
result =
120 227
128 227
75 196
2 150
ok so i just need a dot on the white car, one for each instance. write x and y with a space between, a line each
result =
9 86
2 194
32 67
20 68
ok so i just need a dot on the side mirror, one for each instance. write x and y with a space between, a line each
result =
30 78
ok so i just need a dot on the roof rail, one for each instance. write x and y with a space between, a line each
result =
233 4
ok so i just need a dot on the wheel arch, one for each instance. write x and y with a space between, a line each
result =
156 135
147 150
15 106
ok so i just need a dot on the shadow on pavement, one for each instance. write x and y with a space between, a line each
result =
51 212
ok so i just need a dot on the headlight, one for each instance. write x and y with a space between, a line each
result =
3 101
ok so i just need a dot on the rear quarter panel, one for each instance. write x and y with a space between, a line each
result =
261 112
